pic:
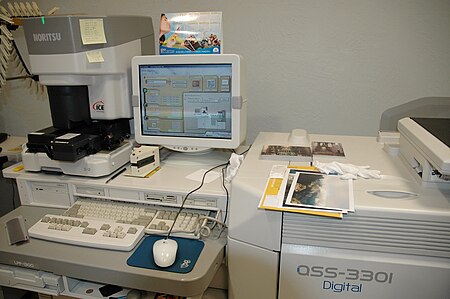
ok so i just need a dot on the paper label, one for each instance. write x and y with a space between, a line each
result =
95 56
92 31
68 136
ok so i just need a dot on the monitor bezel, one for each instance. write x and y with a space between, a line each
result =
238 125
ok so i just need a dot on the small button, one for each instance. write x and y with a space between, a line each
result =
89 231
132 230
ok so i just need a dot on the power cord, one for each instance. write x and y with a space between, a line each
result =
226 190
208 230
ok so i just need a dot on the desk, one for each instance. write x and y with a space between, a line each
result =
167 185
106 266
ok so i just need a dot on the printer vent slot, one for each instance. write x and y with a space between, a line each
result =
406 236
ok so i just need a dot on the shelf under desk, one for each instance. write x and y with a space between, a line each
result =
106 266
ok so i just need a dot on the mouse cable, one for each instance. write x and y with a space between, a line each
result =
203 230
190 192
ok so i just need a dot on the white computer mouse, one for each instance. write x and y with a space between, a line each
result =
165 252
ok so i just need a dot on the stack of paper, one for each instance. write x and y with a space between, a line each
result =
305 190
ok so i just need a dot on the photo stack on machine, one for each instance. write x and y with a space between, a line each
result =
85 65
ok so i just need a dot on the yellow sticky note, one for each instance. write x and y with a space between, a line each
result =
95 56
92 31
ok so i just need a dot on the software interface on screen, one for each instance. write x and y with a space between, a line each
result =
186 100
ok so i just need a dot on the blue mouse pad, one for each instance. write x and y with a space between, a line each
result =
187 255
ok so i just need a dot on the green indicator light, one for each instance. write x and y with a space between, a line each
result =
43 20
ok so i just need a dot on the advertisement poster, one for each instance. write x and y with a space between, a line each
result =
190 33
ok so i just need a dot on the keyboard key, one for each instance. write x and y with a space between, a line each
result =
84 224
105 226
132 230
89 231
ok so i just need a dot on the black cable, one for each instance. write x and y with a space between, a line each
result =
244 152
227 199
226 190
224 165
189 193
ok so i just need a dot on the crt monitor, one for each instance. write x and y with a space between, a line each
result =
189 103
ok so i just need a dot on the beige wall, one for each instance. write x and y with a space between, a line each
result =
328 66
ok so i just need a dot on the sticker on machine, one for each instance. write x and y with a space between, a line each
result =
68 136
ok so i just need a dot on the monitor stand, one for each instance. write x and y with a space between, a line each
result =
207 159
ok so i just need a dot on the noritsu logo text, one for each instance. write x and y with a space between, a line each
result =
46 37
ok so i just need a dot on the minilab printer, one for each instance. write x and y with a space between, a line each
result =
395 245
85 63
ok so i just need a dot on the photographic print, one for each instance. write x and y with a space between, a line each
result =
276 193
286 153
327 148
319 191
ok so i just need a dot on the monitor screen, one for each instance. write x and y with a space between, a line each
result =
189 102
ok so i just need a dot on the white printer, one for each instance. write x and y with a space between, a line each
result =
395 245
